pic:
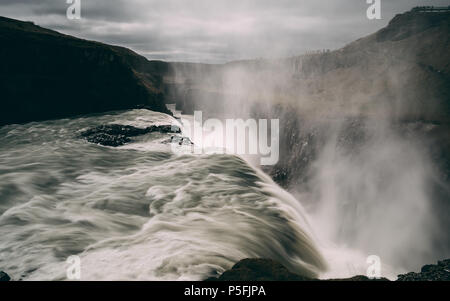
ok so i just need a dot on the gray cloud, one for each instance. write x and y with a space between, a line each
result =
213 30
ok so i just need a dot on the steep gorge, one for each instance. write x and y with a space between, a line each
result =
364 132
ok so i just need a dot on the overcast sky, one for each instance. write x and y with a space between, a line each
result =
213 30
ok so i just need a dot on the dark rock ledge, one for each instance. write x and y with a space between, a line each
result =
429 272
270 270
117 135
4 276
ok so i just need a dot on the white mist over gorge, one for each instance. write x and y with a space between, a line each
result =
227 140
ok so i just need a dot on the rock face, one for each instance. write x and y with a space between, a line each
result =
4 276
117 134
47 75
430 272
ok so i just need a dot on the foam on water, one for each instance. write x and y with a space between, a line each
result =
140 211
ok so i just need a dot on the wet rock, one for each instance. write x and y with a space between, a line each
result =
117 134
4 276
358 278
429 272
258 270
269 270
108 140
180 140
167 128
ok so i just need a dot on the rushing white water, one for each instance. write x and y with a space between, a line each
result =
139 211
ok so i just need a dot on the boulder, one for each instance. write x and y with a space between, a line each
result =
117 134
430 272
259 269
4 276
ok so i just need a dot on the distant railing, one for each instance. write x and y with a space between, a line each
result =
430 9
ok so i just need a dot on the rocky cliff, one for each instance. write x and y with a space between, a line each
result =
46 75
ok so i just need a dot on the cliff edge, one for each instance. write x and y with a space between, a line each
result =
45 75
